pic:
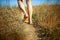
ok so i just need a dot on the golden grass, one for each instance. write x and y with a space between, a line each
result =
47 15
44 16
12 26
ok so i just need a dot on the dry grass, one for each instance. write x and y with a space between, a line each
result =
12 26
47 15
45 18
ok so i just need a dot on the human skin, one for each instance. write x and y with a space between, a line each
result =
23 11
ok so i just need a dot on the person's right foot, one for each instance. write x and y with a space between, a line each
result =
30 23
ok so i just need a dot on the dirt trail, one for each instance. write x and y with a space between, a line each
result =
29 31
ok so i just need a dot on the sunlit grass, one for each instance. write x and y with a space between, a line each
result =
46 19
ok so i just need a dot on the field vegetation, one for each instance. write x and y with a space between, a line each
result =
46 23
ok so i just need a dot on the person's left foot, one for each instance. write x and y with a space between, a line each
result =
25 19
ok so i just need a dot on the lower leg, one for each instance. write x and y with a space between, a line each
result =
29 7
21 6
23 11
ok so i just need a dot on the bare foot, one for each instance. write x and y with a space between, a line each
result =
25 19
30 22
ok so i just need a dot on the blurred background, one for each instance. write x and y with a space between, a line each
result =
46 18
34 2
